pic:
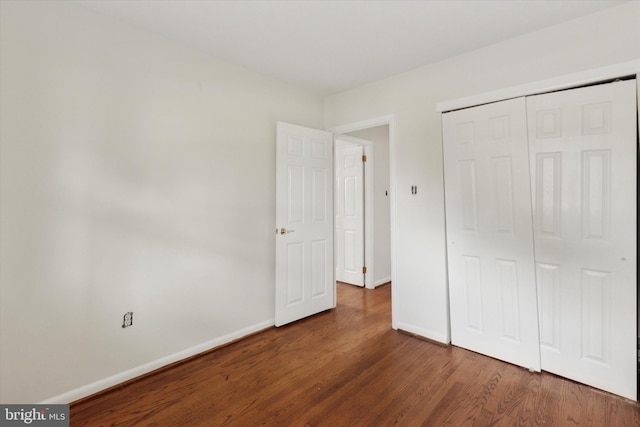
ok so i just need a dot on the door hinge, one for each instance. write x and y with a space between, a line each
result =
364 270
364 158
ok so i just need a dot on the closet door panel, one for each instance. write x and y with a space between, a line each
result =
583 165
489 232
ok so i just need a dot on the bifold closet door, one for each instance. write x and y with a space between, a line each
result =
583 166
489 232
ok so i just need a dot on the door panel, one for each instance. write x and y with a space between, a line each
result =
349 214
583 165
304 223
489 232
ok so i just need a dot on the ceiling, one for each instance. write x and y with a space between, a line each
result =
332 45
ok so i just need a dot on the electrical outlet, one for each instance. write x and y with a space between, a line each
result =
127 319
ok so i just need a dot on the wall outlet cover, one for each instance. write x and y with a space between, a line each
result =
127 320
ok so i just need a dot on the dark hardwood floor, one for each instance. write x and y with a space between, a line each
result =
347 367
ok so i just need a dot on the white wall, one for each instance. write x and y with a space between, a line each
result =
136 175
379 136
597 40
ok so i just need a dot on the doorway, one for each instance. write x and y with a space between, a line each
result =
374 249
303 179
379 198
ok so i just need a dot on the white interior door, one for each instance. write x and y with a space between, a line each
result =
583 165
489 232
349 214
304 223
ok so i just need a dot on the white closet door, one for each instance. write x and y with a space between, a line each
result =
489 232
583 165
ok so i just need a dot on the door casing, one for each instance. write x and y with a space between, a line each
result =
389 120
630 392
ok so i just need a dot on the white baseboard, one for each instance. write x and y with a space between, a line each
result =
130 374
425 333
381 281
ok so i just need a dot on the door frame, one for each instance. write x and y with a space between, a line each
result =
566 81
368 151
389 120
560 82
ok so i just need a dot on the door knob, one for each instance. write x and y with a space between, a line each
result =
285 231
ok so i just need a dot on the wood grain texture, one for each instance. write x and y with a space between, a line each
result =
347 367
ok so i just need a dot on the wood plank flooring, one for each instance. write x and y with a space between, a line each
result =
347 367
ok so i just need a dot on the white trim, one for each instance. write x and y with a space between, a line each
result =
369 123
382 281
557 83
424 333
130 374
363 124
